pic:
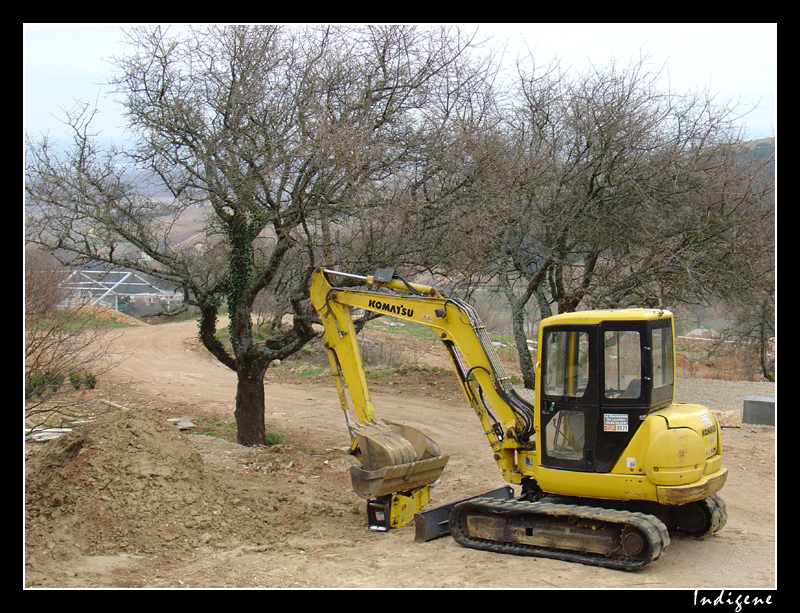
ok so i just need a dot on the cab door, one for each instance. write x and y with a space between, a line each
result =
637 377
625 385
569 403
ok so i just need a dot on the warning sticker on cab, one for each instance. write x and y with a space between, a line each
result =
614 422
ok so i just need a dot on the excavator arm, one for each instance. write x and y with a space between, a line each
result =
399 463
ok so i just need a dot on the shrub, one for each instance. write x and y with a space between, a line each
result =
53 380
34 385
273 438
75 380
89 380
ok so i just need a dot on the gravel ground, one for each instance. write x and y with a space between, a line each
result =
721 395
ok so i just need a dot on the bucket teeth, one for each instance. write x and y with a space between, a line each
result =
397 478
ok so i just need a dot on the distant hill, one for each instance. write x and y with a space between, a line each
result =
761 147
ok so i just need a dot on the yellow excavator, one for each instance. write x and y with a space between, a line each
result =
607 464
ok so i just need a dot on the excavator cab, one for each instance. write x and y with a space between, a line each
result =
599 381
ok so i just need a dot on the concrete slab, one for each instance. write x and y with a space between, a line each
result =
759 410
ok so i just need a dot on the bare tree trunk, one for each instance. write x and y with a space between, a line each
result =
518 329
767 366
249 411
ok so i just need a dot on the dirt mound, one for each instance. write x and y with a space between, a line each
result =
108 313
131 482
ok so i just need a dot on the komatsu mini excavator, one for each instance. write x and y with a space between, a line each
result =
606 463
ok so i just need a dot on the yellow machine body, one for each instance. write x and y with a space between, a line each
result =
604 424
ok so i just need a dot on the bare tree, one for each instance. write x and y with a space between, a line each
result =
65 350
282 135
747 283
618 193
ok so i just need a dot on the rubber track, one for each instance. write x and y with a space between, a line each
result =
718 516
654 530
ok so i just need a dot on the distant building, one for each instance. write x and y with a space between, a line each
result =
119 290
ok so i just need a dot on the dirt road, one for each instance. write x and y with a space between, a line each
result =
285 516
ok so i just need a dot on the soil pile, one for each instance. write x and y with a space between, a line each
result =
131 482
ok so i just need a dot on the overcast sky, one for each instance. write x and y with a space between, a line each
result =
737 62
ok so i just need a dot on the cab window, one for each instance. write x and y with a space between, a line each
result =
622 357
567 364
663 374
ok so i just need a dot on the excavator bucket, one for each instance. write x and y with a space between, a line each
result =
394 458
